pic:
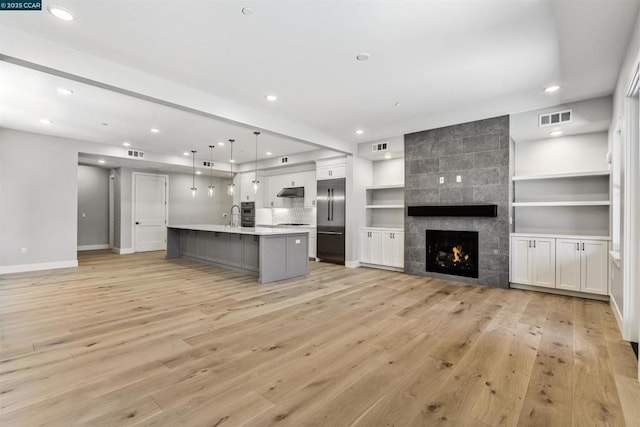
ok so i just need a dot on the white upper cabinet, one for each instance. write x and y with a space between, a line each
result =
330 169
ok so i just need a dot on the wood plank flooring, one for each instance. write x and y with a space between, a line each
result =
139 340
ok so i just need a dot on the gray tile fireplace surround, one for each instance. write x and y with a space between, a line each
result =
479 153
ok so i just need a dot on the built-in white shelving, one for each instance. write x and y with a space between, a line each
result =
564 203
560 175
385 206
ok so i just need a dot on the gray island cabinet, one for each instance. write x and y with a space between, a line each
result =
271 253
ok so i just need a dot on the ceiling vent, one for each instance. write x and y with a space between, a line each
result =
555 118
135 154
207 164
284 160
380 146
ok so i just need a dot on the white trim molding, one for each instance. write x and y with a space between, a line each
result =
123 251
352 264
22 268
93 247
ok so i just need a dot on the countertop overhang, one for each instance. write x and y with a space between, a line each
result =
254 231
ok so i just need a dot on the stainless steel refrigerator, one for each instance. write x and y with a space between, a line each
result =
330 221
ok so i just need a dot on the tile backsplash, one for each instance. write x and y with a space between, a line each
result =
294 212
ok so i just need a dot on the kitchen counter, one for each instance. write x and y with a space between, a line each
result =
270 253
254 231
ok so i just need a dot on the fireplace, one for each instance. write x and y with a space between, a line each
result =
452 252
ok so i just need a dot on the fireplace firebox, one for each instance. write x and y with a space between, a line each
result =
452 252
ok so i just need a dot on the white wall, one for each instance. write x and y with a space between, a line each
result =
558 155
359 176
38 201
629 256
93 207
184 209
388 172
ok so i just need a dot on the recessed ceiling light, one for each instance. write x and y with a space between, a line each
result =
396 104
104 124
359 131
232 161
101 161
154 130
198 172
126 144
271 98
186 153
363 56
387 156
61 13
46 121
551 89
555 133
247 11
65 91
221 143
269 153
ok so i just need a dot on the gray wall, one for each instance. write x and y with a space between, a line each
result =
93 206
38 199
479 152
184 209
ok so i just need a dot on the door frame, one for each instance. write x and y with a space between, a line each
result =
134 176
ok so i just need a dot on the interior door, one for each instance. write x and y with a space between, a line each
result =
150 212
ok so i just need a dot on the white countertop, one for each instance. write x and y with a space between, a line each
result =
254 231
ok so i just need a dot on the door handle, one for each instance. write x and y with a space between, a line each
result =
529 243
137 223
583 246
328 205
534 243
330 232
578 246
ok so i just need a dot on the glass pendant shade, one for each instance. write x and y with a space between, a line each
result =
230 189
193 182
211 187
255 186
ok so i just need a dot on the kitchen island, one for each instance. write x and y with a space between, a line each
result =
270 253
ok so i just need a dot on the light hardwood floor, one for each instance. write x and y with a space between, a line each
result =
136 339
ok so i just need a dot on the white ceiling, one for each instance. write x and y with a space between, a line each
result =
443 61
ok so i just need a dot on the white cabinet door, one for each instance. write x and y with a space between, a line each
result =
370 246
544 262
275 183
521 258
246 189
331 171
594 266
568 269
392 248
310 188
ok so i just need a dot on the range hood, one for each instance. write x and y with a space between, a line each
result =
291 192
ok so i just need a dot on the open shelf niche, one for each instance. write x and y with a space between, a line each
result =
385 206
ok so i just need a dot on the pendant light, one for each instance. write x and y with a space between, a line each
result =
212 188
231 186
193 185
255 183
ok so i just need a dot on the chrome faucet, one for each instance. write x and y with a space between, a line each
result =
233 223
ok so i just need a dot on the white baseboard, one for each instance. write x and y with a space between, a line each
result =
559 292
617 314
93 247
352 264
123 251
7 269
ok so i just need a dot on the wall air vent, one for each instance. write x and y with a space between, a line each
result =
550 119
379 146
135 154
207 164
284 160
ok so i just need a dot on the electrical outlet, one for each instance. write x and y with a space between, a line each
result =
458 178
224 215
24 250
442 180
297 241
496 252
84 215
